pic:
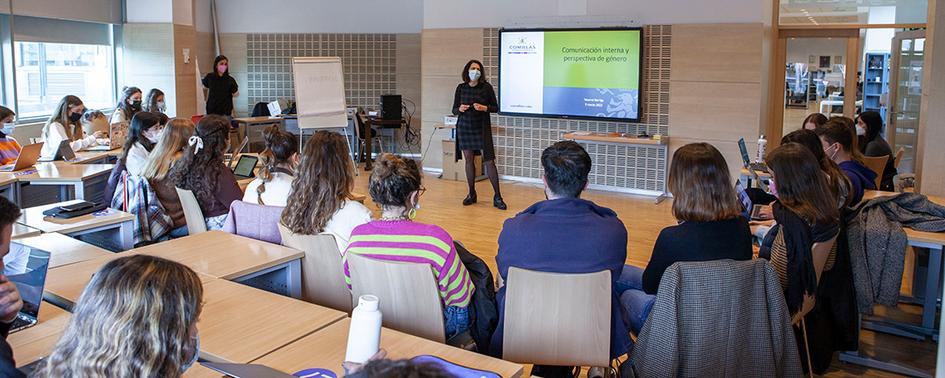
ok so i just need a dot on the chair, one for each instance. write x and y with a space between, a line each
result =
557 318
361 130
254 221
901 151
196 118
323 276
876 164
196 224
409 297
819 254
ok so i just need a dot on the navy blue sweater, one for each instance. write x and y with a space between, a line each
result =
567 235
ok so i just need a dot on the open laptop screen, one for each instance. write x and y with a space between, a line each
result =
26 267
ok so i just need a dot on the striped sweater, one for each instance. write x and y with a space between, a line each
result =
9 150
406 241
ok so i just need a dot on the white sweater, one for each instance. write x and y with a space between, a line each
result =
277 190
55 136
351 215
136 160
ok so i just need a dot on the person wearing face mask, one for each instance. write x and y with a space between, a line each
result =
143 134
221 87
9 147
64 124
472 103
869 126
154 101
838 139
128 105
137 317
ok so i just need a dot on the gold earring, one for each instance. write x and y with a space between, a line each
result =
412 214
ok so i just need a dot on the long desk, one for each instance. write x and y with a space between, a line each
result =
62 249
97 157
23 231
326 349
38 341
8 187
118 224
75 181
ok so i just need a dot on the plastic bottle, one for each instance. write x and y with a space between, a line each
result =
364 334
762 145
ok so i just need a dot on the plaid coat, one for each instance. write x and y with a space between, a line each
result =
474 128
133 194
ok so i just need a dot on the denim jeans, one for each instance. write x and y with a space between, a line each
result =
634 300
179 232
216 223
457 320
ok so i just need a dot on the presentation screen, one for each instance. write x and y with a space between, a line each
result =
572 73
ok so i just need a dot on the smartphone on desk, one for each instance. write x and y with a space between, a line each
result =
76 206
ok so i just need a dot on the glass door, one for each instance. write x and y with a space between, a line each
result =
906 95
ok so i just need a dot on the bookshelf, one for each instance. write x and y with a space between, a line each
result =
876 83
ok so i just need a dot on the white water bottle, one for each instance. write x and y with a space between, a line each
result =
762 146
364 335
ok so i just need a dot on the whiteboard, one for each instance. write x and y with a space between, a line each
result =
319 92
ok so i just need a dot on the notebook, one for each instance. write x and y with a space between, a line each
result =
29 276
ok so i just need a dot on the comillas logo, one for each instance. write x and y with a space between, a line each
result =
522 44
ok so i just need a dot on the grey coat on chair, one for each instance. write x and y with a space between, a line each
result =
721 318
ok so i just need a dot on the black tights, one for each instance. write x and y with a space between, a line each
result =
469 156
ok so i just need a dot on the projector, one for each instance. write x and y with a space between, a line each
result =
449 120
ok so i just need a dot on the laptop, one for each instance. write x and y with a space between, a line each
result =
64 152
29 155
117 132
246 370
760 166
245 168
30 278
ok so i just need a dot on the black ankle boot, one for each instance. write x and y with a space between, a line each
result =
498 203
470 199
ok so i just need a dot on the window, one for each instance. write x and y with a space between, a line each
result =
45 72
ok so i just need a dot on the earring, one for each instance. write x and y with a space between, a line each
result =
412 214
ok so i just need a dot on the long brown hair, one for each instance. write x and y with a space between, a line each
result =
280 147
169 148
839 183
198 171
701 185
323 181
61 116
134 319
802 185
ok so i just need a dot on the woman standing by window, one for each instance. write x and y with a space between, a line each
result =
221 87
473 102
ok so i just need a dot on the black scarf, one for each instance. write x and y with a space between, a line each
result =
799 238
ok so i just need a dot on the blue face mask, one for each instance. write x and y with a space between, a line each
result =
193 360
8 128
474 74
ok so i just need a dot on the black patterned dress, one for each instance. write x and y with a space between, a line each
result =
474 128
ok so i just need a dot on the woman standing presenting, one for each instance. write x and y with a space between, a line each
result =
221 87
473 102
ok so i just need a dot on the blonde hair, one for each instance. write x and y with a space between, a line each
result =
134 319
169 149
61 116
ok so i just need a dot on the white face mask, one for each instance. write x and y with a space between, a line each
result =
152 136
474 75
8 128
860 131
161 106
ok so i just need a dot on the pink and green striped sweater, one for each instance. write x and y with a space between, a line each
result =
406 241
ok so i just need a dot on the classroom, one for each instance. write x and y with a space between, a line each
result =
693 188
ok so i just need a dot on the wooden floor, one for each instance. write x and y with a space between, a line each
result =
478 227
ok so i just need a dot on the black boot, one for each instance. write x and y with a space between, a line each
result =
470 199
498 203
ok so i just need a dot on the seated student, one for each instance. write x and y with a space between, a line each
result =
805 213
839 143
814 121
279 160
711 225
838 181
64 124
154 101
869 125
142 134
95 120
168 150
10 302
201 170
565 234
9 148
128 105
320 200
137 317
395 188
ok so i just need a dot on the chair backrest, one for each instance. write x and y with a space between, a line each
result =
557 318
820 252
876 164
409 298
323 276
901 151
192 214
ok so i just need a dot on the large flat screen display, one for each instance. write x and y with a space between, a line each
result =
575 73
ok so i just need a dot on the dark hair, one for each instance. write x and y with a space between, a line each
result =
839 183
482 71
802 185
280 146
141 122
566 166
198 171
400 369
151 101
9 212
217 61
815 118
392 181
701 185
123 106
841 130
874 126
5 112
323 182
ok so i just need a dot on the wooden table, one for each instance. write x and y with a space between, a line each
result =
246 124
239 323
23 231
73 180
97 157
62 249
36 342
118 224
326 349
233 257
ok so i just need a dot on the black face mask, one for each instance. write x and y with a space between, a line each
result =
75 117
136 105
